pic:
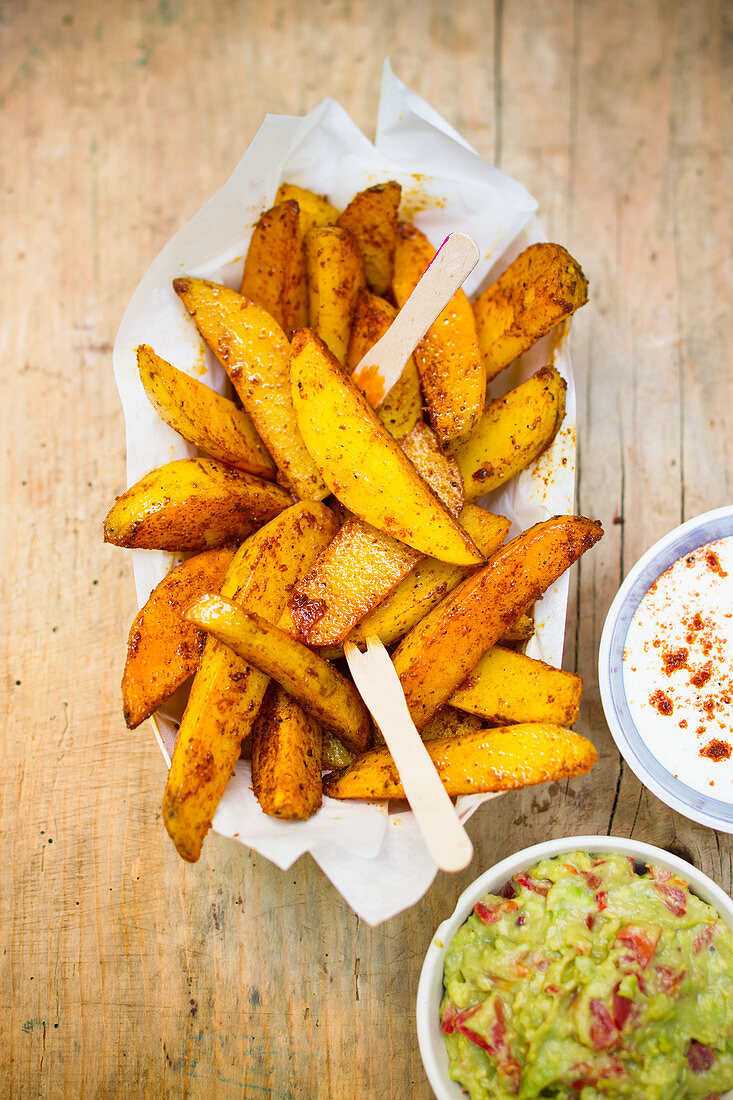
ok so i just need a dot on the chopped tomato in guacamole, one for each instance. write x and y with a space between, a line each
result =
587 979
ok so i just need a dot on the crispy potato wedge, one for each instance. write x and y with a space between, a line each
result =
361 463
211 422
163 650
314 209
357 570
521 630
429 582
511 433
227 692
474 763
401 409
448 358
371 218
274 268
363 565
507 687
192 504
448 722
542 286
335 276
254 351
316 686
438 654
286 758
441 471
335 754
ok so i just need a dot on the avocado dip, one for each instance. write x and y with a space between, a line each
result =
586 979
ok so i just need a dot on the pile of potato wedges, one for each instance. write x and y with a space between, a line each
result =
312 517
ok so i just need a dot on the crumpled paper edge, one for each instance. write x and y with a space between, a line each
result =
528 499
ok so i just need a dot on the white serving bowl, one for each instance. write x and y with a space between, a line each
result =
703 808
430 989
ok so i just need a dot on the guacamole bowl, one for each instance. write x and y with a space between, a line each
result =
431 990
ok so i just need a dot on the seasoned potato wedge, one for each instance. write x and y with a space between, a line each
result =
474 763
363 565
441 471
371 218
286 758
521 630
357 570
192 504
401 409
211 422
361 463
449 360
253 350
507 687
542 286
429 582
316 686
314 209
227 692
438 654
511 433
448 722
335 754
335 275
163 649
274 268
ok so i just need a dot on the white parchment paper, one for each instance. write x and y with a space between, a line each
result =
376 860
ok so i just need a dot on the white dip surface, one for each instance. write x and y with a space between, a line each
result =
678 669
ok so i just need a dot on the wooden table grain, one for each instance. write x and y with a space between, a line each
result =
124 972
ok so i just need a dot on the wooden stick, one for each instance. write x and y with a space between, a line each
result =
380 688
450 266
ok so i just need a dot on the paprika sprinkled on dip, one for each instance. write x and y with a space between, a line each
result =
665 668
678 668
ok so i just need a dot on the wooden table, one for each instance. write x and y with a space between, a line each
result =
125 972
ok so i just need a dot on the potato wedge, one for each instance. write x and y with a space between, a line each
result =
507 687
274 268
542 286
429 582
363 565
335 754
227 692
441 471
163 650
204 417
314 209
335 276
361 463
511 433
192 504
448 722
401 409
314 684
474 763
357 570
254 351
286 758
371 218
438 654
448 358
521 630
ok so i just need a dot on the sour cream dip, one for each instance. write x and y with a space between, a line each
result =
678 669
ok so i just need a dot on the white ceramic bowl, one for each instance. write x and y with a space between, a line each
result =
713 812
430 989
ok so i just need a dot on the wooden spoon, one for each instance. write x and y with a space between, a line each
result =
380 688
383 364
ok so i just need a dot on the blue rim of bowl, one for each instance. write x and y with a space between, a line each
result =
430 1040
690 536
